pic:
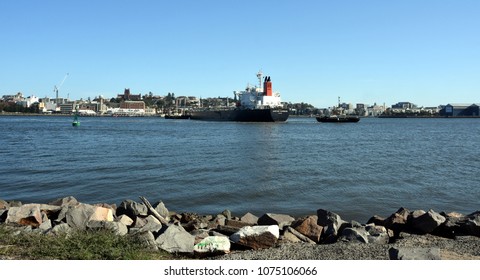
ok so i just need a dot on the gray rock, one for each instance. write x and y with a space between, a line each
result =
331 223
28 214
124 219
290 237
66 201
147 239
356 234
95 225
249 218
132 209
149 223
276 219
427 222
227 213
162 210
46 225
61 229
377 234
176 239
219 220
78 216
116 228
257 237
414 253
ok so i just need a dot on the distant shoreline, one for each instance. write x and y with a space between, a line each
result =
291 116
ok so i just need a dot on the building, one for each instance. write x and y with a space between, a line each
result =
461 110
128 96
134 105
404 105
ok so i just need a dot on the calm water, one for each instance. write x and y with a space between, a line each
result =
357 170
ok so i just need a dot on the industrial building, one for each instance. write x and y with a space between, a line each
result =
461 110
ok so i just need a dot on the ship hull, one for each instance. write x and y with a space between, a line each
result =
241 115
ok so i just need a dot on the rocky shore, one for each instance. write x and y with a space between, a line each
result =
403 235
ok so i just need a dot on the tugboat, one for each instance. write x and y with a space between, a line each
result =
254 104
338 116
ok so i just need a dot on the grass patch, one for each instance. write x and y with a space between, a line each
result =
77 245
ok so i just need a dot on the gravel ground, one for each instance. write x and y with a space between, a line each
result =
462 248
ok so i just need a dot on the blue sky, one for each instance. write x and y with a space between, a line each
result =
426 52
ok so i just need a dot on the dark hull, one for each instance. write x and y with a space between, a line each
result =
340 119
241 115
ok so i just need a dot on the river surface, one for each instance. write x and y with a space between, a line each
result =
357 170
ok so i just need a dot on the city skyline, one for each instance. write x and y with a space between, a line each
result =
369 52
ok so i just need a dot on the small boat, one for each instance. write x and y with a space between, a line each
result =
338 115
338 119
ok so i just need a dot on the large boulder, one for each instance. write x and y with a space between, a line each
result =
452 225
61 229
331 223
176 239
309 227
78 216
355 234
28 215
398 221
377 234
257 237
212 245
427 222
276 219
149 223
132 209
147 239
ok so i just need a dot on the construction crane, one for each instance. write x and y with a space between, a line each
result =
56 89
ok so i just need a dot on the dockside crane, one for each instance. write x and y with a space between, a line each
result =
56 89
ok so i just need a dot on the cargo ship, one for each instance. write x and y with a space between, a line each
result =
254 104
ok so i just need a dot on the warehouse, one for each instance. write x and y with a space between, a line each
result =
460 110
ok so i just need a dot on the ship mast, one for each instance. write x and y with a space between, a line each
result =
259 76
